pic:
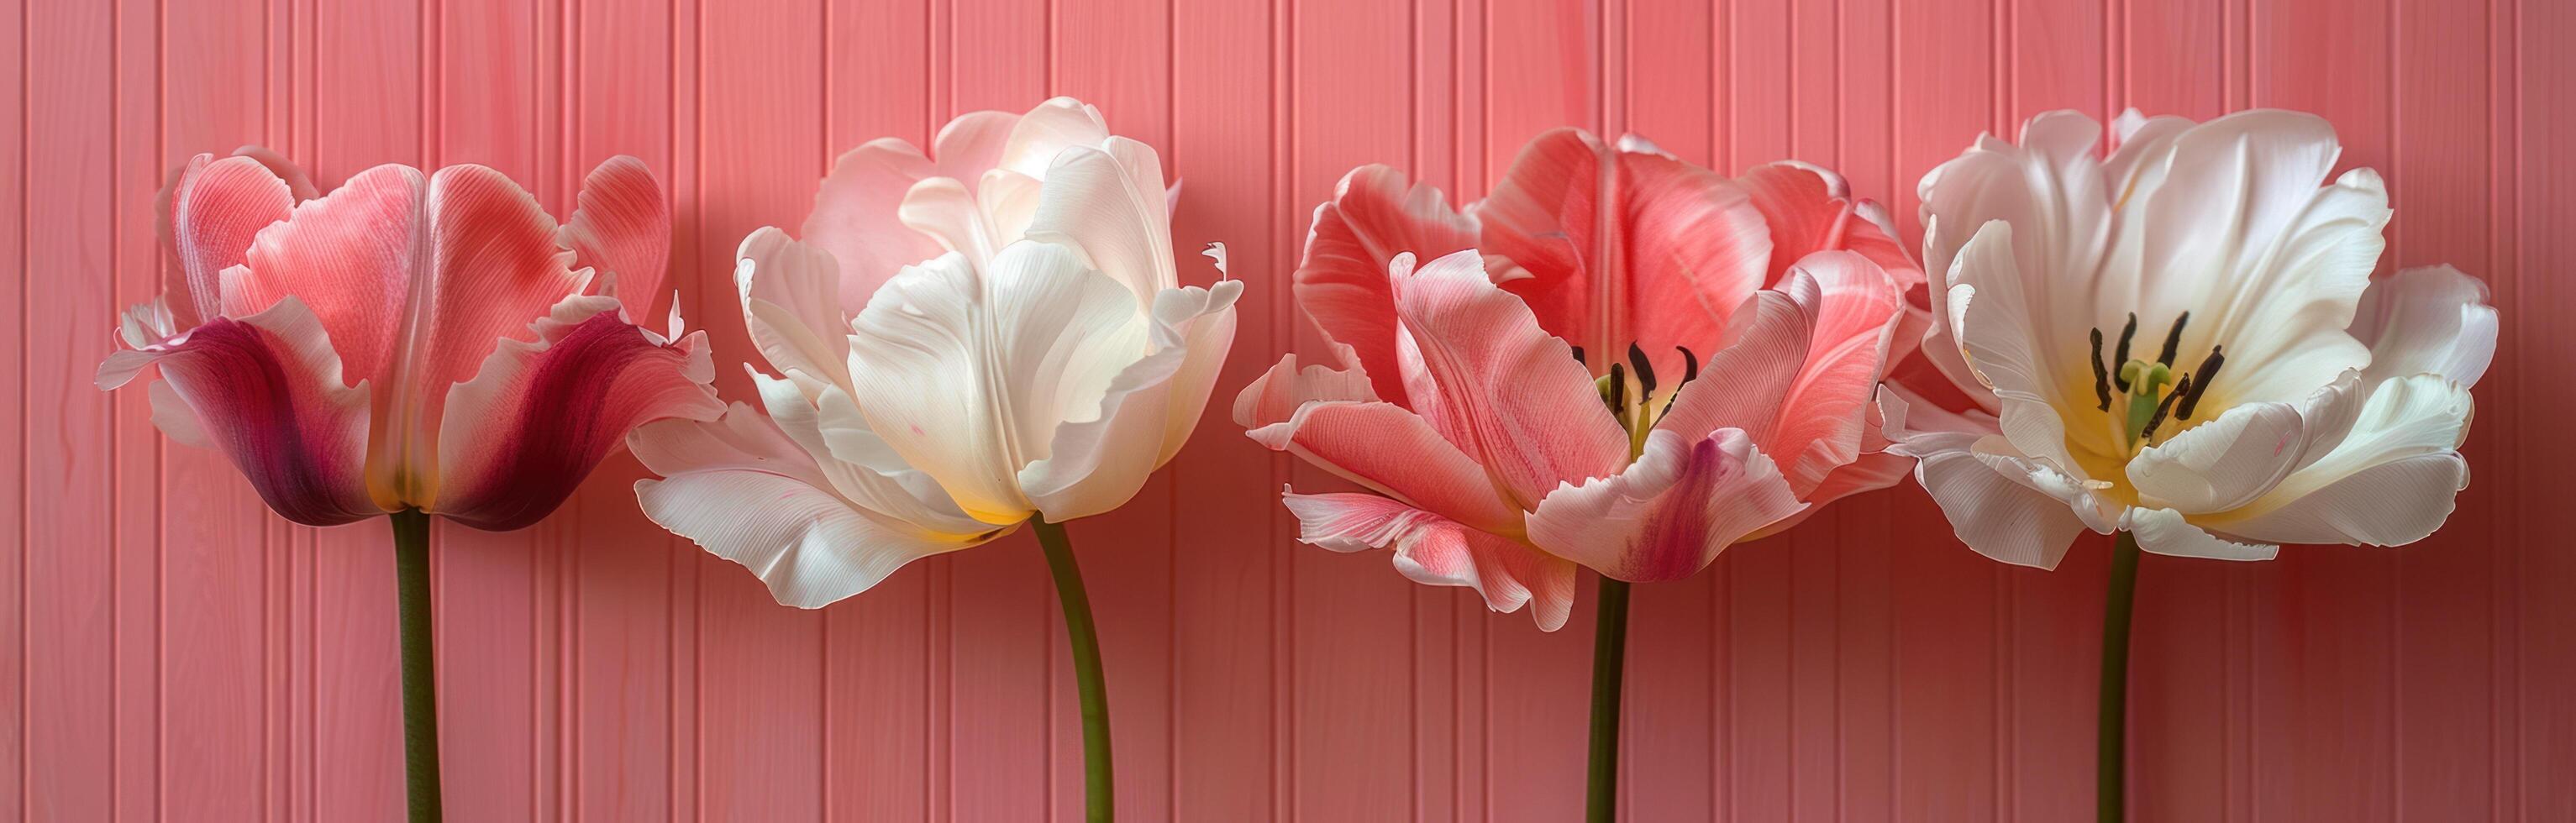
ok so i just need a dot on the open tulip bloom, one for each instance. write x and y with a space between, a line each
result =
2182 343
1536 399
986 335
409 345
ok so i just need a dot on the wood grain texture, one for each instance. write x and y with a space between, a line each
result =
172 651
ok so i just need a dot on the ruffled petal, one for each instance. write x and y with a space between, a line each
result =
1669 514
809 546
1802 369
1624 246
621 230
968 382
521 435
2392 480
2000 329
2270 265
1108 203
1037 137
267 390
2167 532
349 256
209 215
1811 209
791 304
1435 551
854 217
1328 418
1342 280
1094 465
2223 463
2049 188
1481 371
2003 506
2429 320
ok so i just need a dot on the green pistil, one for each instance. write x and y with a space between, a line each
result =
2146 383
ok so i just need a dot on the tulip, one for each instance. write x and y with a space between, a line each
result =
409 345
2181 343
989 334
1483 404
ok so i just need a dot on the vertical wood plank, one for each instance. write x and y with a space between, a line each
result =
68 521
1228 525
2546 737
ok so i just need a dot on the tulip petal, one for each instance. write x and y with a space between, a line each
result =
2430 320
1481 371
854 216
1038 137
349 256
520 436
1342 280
1624 246
1108 203
1329 418
1435 551
968 380
1799 376
1095 465
1810 209
791 305
2165 531
622 231
809 546
267 390
2392 480
1669 514
209 215
2223 463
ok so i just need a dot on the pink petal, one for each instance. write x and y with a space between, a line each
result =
1810 209
854 217
1624 246
1671 513
622 231
1433 550
1479 369
519 437
1342 281
1803 368
349 256
266 389
209 214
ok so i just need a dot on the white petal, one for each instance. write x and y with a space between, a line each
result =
2391 481
942 208
791 304
2001 330
1999 516
2429 320
808 545
968 382
1055 125
2164 531
1108 203
1096 464
2223 463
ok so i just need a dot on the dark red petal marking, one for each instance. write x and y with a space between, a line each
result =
306 459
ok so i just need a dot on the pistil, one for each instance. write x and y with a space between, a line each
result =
2154 390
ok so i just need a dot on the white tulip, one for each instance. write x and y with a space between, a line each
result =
2271 391
962 341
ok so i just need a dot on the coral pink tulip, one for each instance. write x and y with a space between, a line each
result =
1459 395
409 341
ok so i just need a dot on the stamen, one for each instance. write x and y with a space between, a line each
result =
2148 434
2208 374
1578 355
2122 356
1645 372
2101 376
1618 398
2173 339
1690 372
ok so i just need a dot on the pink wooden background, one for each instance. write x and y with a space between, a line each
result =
174 652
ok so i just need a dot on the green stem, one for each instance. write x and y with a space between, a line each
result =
1097 803
2110 773
1609 662
419 681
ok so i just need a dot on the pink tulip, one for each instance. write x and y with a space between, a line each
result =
410 341
1490 459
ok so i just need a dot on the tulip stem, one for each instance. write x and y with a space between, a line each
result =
419 681
2110 775
1609 663
1097 803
